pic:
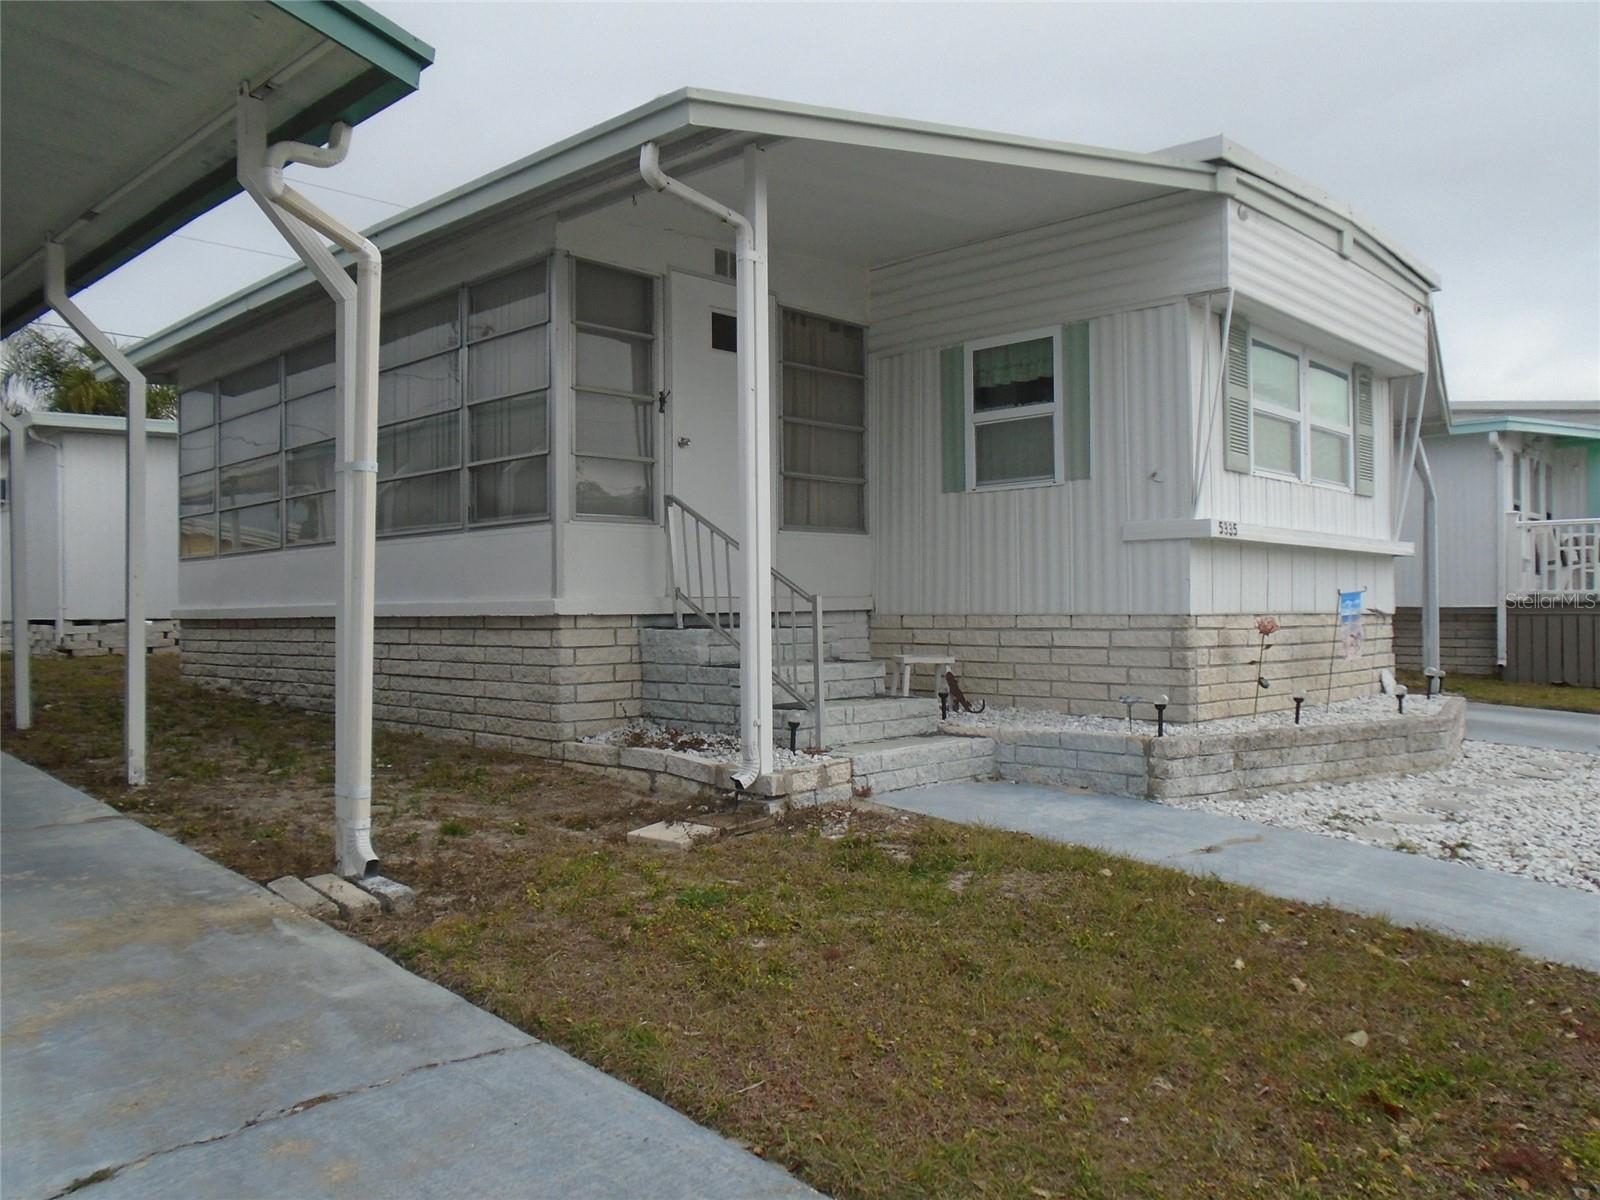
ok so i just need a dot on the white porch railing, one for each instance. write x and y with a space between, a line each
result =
1553 558
700 560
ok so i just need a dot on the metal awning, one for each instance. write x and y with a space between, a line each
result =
119 118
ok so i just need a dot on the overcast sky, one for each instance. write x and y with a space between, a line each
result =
1469 133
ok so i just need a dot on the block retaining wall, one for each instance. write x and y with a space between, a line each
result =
1082 664
1232 765
1466 640
87 639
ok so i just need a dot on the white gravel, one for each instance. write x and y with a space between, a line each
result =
1341 712
712 747
1518 809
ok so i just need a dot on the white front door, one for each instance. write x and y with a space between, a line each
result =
702 411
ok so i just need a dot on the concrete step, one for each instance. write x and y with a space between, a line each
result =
854 721
893 764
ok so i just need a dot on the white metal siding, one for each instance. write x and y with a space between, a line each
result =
1287 271
1125 258
1465 478
1242 577
1053 549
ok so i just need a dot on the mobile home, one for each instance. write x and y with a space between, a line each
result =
1072 418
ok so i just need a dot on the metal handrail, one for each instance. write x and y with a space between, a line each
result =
695 534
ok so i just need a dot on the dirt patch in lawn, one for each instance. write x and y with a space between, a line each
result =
891 1006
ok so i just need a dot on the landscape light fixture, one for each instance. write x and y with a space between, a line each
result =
1400 698
1299 699
794 733
1161 715
1129 702
1435 676
944 705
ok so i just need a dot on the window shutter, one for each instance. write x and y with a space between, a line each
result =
1366 446
953 411
1236 400
1075 398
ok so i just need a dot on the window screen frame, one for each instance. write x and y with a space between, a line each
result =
574 389
1055 409
784 474
461 407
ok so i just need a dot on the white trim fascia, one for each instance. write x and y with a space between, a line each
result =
1209 528
606 606
92 423
1267 178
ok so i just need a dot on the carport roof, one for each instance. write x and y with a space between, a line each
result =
119 117
908 186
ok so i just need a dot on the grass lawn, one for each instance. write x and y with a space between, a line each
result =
892 1006
1501 691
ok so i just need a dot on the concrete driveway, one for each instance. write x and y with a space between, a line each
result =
1533 727
168 1028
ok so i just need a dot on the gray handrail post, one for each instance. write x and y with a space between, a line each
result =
819 719
672 564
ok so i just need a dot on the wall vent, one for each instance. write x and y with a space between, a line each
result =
724 264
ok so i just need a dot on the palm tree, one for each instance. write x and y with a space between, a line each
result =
63 376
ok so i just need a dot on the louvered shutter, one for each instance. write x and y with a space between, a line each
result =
1366 445
1075 398
1236 399
953 417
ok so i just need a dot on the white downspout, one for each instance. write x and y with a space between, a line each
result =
755 619
357 306
16 426
136 521
1502 495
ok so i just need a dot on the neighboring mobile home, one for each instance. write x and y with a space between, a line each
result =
1519 488
76 465
1074 417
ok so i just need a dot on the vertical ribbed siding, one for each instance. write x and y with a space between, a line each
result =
1055 549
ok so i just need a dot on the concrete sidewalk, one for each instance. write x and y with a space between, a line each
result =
1548 922
168 1028
1509 725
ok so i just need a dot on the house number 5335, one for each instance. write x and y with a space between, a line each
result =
1228 529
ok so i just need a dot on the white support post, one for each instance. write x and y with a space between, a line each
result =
755 417
356 307
136 520
1430 565
21 647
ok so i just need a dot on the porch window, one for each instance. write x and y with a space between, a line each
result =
822 455
1013 389
197 478
309 429
614 434
508 397
1301 415
249 441
463 427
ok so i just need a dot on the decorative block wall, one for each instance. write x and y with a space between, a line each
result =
1082 664
1466 640
519 683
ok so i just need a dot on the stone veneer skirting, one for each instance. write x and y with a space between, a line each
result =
518 683
1466 640
1082 664
1229 765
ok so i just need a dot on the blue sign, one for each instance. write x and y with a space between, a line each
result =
1351 634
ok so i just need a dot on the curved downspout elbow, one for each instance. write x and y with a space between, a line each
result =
650 170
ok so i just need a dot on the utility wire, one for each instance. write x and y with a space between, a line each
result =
189 237
298 182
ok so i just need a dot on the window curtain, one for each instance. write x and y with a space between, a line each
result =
1017 363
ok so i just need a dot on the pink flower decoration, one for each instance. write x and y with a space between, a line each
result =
1266 626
